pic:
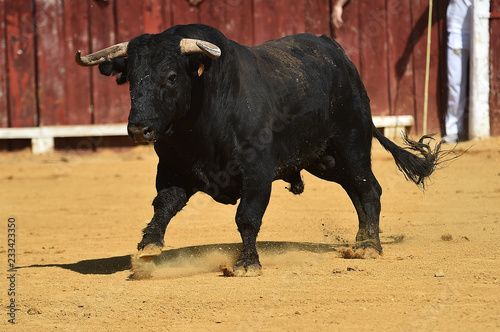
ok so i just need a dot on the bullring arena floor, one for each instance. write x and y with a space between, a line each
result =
79 216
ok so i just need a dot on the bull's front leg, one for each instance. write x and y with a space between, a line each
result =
166 204
255 196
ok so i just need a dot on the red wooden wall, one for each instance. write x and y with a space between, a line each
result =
386 39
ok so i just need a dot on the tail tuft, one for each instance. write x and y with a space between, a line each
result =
417 166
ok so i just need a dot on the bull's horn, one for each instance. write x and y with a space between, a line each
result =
115 51
191 46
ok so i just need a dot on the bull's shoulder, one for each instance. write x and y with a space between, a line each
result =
303 41
301 51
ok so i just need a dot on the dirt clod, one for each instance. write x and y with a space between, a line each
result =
359 253
446 237
354 268
34 311
226 271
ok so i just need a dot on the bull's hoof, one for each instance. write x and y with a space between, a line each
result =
296 183
369 244
149 252
253 270
296 188
363 250
359 253
141 268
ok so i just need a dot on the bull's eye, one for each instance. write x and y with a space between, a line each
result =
172 79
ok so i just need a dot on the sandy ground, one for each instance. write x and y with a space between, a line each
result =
79 216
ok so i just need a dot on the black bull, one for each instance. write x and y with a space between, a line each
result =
228 120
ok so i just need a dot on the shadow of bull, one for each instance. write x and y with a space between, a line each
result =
116 264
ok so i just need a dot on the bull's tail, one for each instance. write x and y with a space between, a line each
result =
418 166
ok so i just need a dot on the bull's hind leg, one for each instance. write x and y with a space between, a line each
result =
366 200
353 172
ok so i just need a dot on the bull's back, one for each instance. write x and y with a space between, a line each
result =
300 63
310 84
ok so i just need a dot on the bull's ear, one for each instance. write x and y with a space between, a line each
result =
198 64
115 67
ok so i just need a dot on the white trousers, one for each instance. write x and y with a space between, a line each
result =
458 60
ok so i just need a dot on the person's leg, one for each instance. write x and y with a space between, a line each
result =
462 134
457 94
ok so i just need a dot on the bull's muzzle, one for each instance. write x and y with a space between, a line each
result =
141 133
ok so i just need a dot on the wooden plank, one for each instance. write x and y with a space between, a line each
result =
152 13
317 17
105 92
77 82
119 129
393 121
495 69
239 21
276 19
43 139
435 89
440 91
213 13
348 36
290 16
420 19
400 42
21 64
265 23
129 19
167 14
129 25
184 13
373 54
419 28
4 112
50 59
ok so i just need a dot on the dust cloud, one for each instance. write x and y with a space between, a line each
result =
182 262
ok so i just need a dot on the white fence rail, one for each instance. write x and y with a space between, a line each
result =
42 138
